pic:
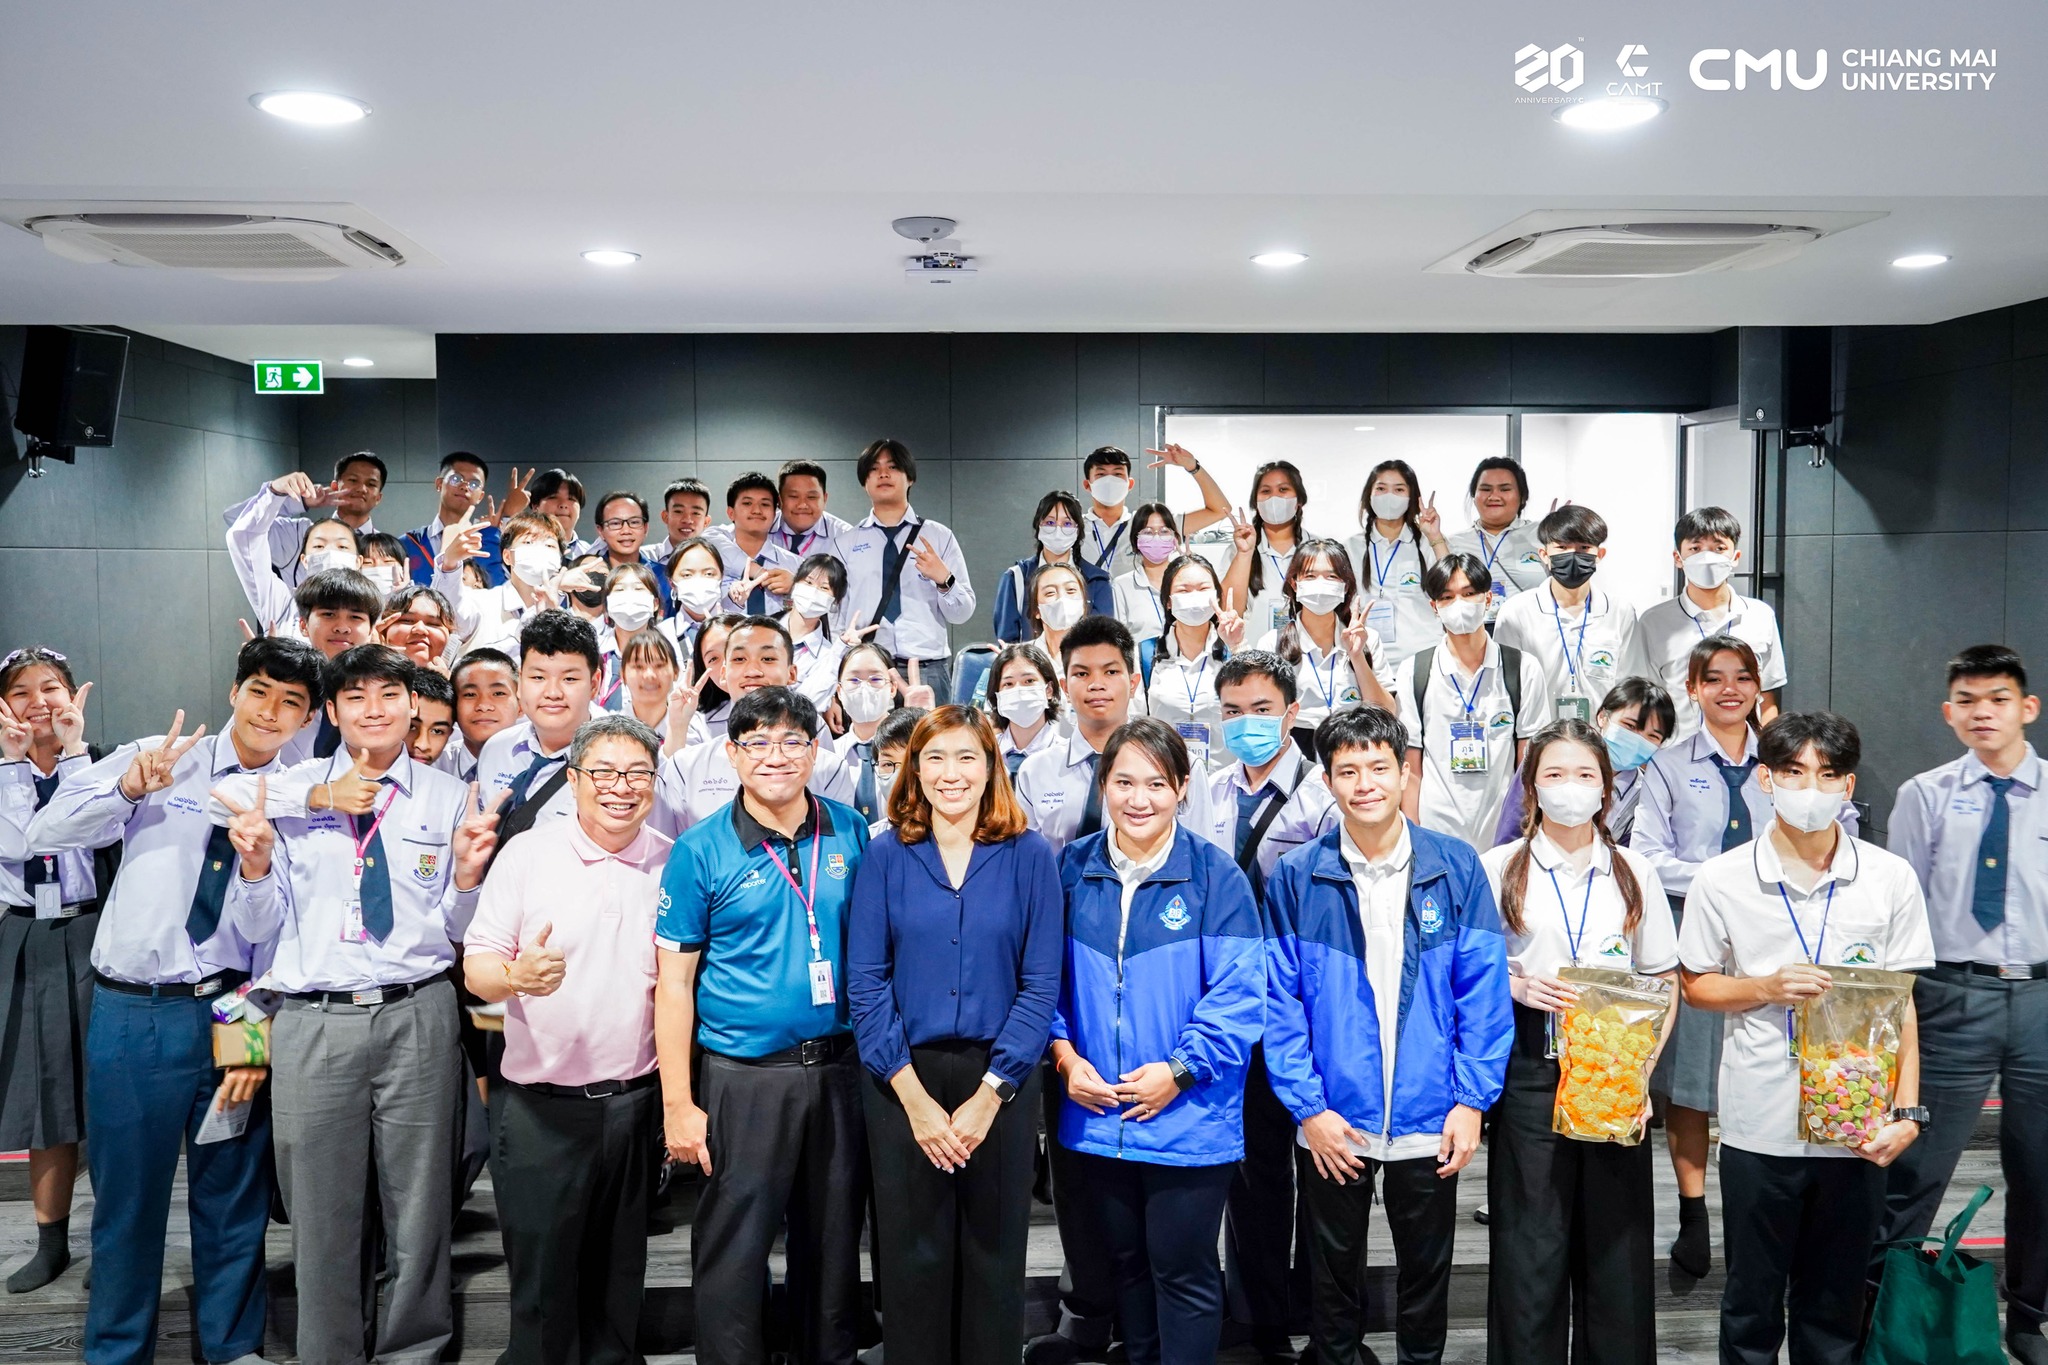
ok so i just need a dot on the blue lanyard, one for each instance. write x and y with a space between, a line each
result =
1379 570
1813 953
1330 686
1564 911
1498 546
1279 568
1104 553
1195 686
1477 682
1557 619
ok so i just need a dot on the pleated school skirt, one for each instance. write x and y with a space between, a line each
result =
46 989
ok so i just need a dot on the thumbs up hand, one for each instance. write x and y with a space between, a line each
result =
538 968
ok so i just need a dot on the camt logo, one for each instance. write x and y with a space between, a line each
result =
1634 60
1562 69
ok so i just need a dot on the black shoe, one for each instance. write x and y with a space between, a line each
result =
1051 1349
1482 1215
2028 1348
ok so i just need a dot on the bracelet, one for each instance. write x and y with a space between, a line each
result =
507 967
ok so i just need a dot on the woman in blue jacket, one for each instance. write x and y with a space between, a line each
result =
1163 998
1057 525
953 963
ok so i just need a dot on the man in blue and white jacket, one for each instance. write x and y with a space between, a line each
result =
1387 1031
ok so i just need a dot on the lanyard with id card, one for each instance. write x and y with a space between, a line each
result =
1574 704
49 892
1379 606
1812 958
1572 940
352 928
1499 592
1194 732
1468 736
822 992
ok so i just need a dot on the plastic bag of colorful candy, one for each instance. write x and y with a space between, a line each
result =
1848 1038
1607 1043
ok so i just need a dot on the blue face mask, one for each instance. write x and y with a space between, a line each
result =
1628 749
1253 739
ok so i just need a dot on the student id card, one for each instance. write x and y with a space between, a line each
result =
821 983
1379 614
49 899
1196 736
1468 746
1575 707
352 930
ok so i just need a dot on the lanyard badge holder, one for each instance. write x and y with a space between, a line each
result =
1574 704
1573 940
1468 736
1812 958
49 893
352 928
1194 732
1379 607
1498 593
822 990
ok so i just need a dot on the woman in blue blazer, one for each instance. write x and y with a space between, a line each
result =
1163 997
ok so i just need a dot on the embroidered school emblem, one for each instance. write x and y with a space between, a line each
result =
1860 954
835 866
1501 718
1175 915
1602 658
428 865
1411 580
1432 915
1614 945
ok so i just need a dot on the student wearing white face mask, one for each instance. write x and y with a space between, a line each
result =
1057 525
1585 639
1180 666
1106 533
1328 642
1057 604
327 544
867 694
696 577
1572 1227
632 599
1027 702
1263 546
1501 534
532 546
1154 542
816 590
1634 720
1709 547
1401 537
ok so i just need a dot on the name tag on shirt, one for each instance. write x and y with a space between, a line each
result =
1196 735
1379 614
821 983
1468 746
352 930
50 901
1278 615
1575 708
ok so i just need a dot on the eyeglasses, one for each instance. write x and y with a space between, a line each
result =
611 779
789 746
622 524
467 485
885 773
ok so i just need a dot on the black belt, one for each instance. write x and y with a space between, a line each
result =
810 1052
71 911
213 985
375 995
2023 971
596 1090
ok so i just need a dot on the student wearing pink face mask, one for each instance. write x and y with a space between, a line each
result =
1154 542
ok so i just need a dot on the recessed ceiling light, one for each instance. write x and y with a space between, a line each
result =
606 256
1278 259
1610 113
1362 428
358 362
310 106
1920 260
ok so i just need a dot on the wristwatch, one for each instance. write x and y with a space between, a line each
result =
1913 1113
947 586
1005 1092
1182 1077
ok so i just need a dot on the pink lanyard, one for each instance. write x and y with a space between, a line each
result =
807 901
363 840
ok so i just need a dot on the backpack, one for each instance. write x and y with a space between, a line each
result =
1510 673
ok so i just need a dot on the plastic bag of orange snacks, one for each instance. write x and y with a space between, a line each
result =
1606 1040
1849 1055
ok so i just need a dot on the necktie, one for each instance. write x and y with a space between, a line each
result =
1987 896
757 600
328 740
215 871
1013 761
892 573
1735 775
376 888
864 786
1091 813
37 870
524 782
1248 804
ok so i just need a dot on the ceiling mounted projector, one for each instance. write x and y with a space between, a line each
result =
940 262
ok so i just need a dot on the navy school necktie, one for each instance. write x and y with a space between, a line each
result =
1091 813
1248 804
1987 894
375 891
328 740
524 782
215 871
1736 833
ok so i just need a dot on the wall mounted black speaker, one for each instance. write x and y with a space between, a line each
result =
1782 377
71 385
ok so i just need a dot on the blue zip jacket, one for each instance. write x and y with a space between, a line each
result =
1456 1020
1193 987
1012 623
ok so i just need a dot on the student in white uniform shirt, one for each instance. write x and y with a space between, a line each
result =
1572 1224
1327 640
560 494
905 573
648 663
1262 548
558 671
1975 830
1584 638
1026 700
1634 719
1106 533
632 598
1763 924
1469 720
867 693
486 701
433 717
802 525
338 610
420 624
1056 524
1155 543
1057 601
357 488
700 779
532 546
817 588
1709 543
1179 668
329 543
1402 537
758 570
685 512
696 580
1501 534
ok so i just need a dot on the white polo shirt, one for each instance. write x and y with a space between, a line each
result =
1325 682
1514 559
1584 650
1668 631
1183 694
1864 911
1138 605
1390 583
1107 544
1573 913
1466 805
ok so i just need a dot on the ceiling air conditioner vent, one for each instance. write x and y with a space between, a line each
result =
233 241
1642 250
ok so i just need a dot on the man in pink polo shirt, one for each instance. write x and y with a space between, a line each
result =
564 931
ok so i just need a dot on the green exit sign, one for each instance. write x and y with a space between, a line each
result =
288 376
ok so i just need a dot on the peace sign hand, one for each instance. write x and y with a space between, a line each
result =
1230 625
249 831
476 839
1357 638
150 769
462 541
928 561
1430 520
516 496
301 486
683 700
1243 535
915 692
15 735
1179 456
68 720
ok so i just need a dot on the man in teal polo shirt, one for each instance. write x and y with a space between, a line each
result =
761 1085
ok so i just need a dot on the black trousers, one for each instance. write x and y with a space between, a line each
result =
952 1246
1422 1213
1572 1229
1797 1233
1087 1295
1262 1278
1975 1030
573 1178
786 1147
1160 1226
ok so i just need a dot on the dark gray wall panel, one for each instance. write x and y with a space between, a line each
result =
1809 493
1882 355
1926 454
2026 605
53 601
2027 476
1806 619
547 400
1201 369
150 490
365 414
1449 369
155 621
1108 412
1014 398
1326 371
1663 373
763 400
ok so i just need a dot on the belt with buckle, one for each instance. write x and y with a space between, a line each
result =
810 1052
375 995
195 990
71 911
596 1090
2010 971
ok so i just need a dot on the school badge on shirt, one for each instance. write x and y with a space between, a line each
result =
835 866
1432 915
1175 915
1613 946
1861 953
428 865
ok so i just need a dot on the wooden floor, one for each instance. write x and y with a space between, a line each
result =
48 1325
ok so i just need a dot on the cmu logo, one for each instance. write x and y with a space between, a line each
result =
1562 69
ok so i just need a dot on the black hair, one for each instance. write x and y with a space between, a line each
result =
1572 524
1146 512
697 542
363 457
1104 457
1258 663
1408 518
1703 523
1360 727
644 642
898 453
484 657
1058 497
773 623
337 590
1160 742
766 706
896 727
613 496
711 696
1035 657
383 543
366 663
690 486
1090 631
1647 693
456 457
556 631
1436 579
1507 464
835 574
1988 661
1832 736
1288 644
638 573
1181 563
1514 879
1257 582
316 524
800 469
405 594
753 481
430 684
557 481
285 661
22 660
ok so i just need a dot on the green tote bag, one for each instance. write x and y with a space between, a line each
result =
1937 1308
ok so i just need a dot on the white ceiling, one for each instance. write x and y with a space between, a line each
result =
1112 166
